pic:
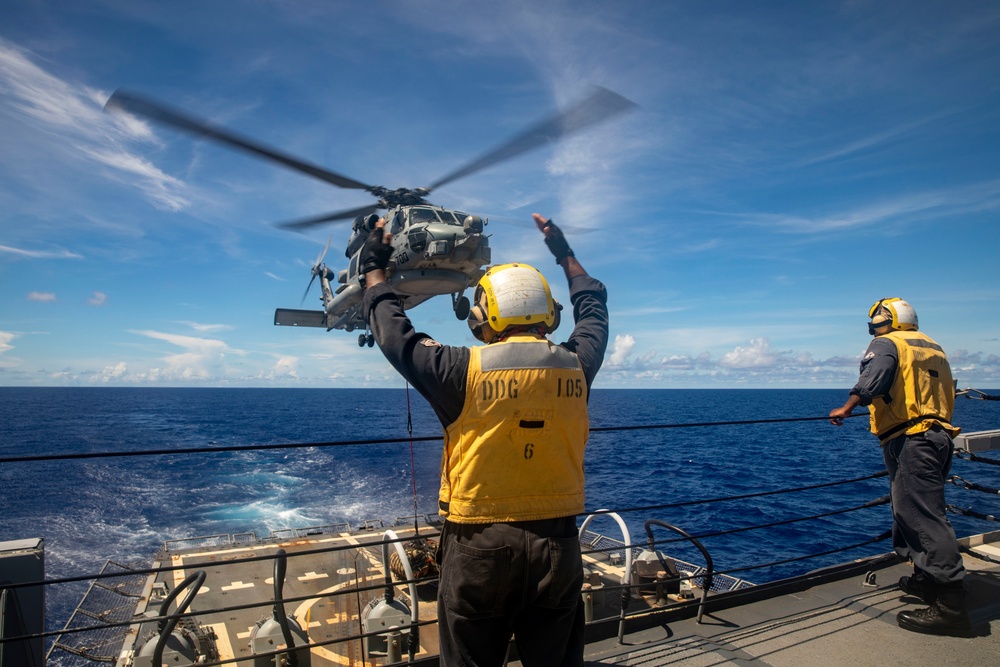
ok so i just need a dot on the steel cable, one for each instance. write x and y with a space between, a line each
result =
372 441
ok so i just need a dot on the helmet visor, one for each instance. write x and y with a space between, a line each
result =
875 307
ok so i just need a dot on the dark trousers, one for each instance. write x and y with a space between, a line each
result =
500 579
918 469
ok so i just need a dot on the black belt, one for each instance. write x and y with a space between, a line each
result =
895 430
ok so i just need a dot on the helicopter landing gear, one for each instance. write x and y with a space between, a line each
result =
366 339
462 307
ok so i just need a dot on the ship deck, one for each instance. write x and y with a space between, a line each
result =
842 621
847 610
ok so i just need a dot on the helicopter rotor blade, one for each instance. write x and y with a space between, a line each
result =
308 287
312 221
141 106
319 257
598 106
316 268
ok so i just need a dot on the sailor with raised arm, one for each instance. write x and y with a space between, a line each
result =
515 423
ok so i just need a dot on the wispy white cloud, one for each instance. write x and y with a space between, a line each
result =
872 141
162 189
40 254
6 338
75 113
918 206
42 297
98 299
205 328
202 358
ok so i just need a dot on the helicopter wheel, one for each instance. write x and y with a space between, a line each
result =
362 339
462 308
371 340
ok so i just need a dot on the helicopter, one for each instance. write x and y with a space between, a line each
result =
436 250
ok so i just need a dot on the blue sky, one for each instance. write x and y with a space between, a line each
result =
788 164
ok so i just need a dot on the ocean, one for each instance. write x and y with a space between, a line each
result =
122 509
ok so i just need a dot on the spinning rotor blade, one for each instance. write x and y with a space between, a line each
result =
600 105
315 269
305 223
308 287
140 106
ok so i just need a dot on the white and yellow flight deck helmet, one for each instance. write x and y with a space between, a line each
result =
512 296
891 314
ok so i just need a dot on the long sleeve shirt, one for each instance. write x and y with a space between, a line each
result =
439 372
878 370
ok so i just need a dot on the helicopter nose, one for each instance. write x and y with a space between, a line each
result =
473 224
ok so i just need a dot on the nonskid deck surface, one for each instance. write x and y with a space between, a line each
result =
329 616
836 617
339 582
842 622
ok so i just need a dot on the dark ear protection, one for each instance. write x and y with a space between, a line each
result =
557 320
478 319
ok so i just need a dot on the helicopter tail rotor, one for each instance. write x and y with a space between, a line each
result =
317 268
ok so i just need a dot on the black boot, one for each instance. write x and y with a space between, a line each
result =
946 616
919 585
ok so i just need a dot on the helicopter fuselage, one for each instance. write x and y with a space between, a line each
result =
435 251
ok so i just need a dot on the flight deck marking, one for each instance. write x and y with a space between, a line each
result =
987 549
236 585
222 642
341 617
305 607
312 576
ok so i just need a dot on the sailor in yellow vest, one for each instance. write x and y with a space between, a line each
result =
515 423
906 383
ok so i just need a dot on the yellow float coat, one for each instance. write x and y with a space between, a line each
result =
922 394
516 451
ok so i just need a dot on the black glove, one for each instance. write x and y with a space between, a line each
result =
375 254
556 242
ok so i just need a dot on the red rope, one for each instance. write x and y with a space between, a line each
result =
413 466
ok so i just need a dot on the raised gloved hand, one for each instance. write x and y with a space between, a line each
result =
376 251
556 242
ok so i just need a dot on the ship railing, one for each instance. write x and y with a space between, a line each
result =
410 519
309 531
115 617
200 542
111 601
595 545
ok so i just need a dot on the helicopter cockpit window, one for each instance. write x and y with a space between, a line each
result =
396 224
418 215
460 217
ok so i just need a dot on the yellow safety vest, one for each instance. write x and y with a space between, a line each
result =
516 451
922 393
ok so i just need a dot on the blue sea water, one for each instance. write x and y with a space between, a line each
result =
92 510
